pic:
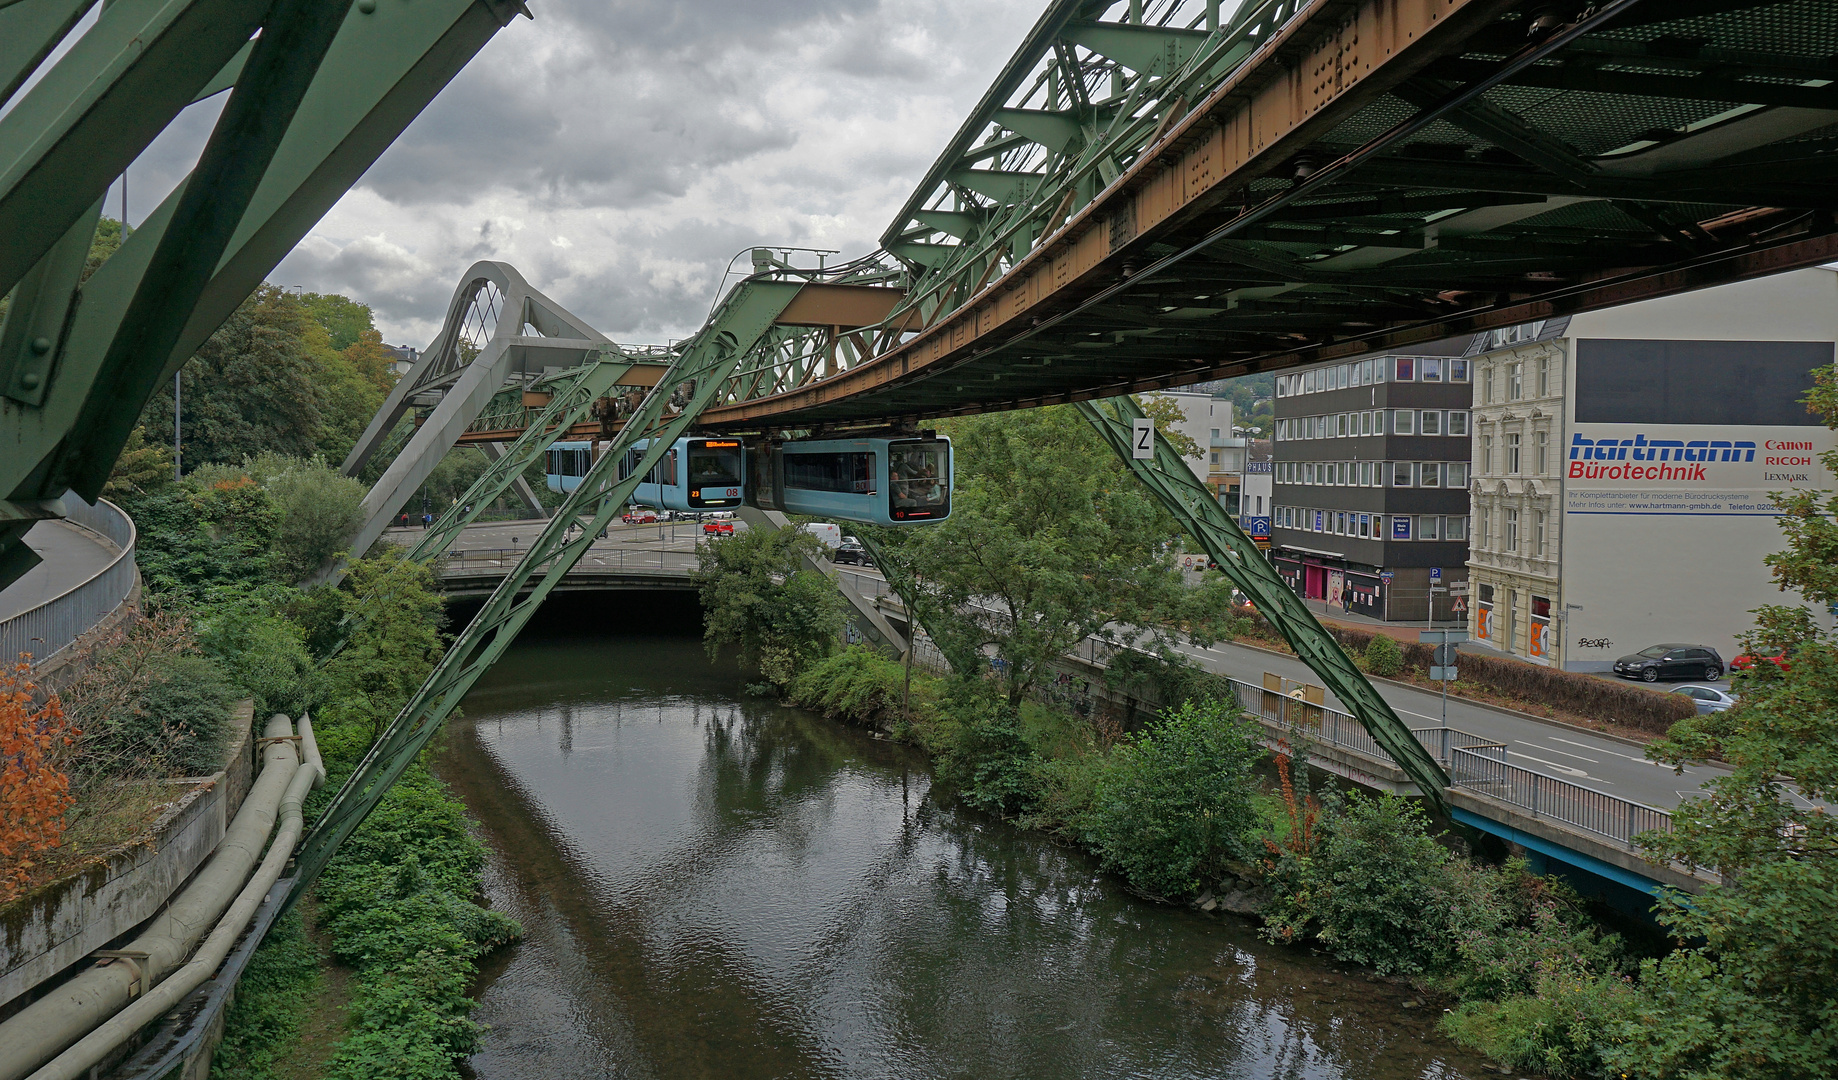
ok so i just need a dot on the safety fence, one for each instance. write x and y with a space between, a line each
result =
49 628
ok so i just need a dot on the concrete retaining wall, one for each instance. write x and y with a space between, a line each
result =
63 921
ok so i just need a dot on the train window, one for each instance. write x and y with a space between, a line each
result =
919 474
714 464
847 472
569 462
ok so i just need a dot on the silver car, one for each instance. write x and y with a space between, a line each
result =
1709 699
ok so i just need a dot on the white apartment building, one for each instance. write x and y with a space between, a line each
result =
1622 464
1208 422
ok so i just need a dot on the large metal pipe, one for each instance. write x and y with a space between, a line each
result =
77 1007
92 1048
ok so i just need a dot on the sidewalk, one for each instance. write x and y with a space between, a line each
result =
1405 632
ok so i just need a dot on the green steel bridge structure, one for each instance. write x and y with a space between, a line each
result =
1152 193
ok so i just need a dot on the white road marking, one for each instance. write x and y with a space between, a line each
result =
1566 753
1553 764
1601 750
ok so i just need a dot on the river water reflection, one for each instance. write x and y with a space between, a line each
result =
713 886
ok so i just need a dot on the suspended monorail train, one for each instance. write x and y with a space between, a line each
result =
880 481
696 473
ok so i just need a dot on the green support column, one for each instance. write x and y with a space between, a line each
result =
1167 476
744 317
568 406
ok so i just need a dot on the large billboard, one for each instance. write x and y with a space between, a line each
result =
1673 452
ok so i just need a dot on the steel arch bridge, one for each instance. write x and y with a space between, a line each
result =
1152 193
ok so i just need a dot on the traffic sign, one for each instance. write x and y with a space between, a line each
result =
1461 604
1439 637
1435 573
1386 576
1458 588
1443 674
1142 438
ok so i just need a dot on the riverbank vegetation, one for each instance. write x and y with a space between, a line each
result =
1183 806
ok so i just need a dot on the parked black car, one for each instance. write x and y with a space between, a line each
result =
1673 660
853 554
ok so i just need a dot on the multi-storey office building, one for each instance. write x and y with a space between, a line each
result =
1625 462
1371 480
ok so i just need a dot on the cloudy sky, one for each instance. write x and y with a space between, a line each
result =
620 152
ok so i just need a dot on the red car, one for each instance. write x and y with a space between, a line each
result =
639 516
1749 660
718 528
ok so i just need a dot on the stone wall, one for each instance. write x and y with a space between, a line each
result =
61 922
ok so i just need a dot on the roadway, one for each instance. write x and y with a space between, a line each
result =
71 556
670 546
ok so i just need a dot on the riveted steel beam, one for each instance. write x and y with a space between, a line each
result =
1173 484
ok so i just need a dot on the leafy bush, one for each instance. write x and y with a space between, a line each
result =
857 685
203 533
34 790
1383 657
1174 804
259 650
1569 1027
757 594
319 509
1378 890
982 751
264 1017
146 702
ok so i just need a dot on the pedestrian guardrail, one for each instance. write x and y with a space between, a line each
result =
53 626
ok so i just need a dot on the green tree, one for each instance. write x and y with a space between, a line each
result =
344 319
758 595
1049 541
319 508
1753 995
215 529
395 640
140 468
249 388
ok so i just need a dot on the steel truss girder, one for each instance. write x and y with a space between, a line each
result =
1173 484
705 363
568 406
379 70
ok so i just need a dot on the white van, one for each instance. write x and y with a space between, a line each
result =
830 536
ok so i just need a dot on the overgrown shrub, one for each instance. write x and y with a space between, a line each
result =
1172 805
1383 657
981 751
319 510
856 685
264 1017
149 704
34 789
259 650
1378 890
1568 1028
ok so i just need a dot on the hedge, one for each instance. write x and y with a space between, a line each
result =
1615 702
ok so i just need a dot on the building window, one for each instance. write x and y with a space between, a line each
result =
1400 474
1486 454
1365 474
1427 530
1432 369
1406 369
1486 384
1429 474
1429 423
1365 525
1511 532
1458 422
1538 534
1341 520
1544 376
1458 371
1457 474
1541 445
1215 433
1259 512
1215 459
1455 528
1512 454
1481 522
1515 380
1365 423
1402 420
1340 428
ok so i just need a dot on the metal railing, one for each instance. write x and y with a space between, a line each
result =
51 627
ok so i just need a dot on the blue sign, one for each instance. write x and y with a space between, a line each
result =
1256 526
1435 573
1400 528
1318 514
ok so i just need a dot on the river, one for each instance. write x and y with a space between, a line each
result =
715 886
